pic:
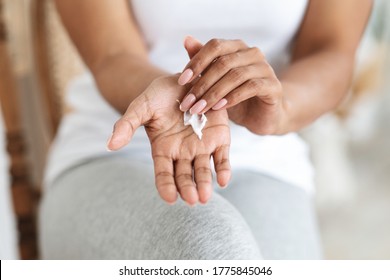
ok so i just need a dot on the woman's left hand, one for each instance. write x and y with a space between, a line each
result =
229 73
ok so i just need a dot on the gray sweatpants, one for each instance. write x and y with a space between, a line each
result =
109 208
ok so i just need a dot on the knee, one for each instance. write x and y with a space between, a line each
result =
213 231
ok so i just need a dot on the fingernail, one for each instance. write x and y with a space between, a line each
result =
220 104
185 77
198 107
188 101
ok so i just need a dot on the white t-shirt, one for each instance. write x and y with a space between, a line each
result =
269 25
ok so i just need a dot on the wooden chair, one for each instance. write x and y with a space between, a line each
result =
55 62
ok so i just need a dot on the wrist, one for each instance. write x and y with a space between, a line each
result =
169 85
285 124
122 78
279 122
290 120
261 118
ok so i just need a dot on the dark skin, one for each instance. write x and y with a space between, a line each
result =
314 83
239 77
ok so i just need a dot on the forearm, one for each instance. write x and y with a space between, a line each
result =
313 86
108 40
323 59
310 86
123 77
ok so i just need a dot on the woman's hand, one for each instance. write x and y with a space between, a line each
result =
181 160
226 73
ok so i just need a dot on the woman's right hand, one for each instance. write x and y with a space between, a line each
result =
181 160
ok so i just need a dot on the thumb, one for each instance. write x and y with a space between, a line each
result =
192 46
136 115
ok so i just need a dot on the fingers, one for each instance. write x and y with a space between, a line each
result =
200 190
211 51
169 180
214 73
192 46
165 183
136 115
223 76
203 177
222 165
184 181
233 79
269 92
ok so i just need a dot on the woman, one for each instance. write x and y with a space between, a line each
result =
291 64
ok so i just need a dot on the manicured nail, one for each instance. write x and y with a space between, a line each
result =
220 104
198 107
188 101
185 77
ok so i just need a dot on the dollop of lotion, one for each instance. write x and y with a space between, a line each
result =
197 122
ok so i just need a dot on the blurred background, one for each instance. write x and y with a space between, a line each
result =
350 148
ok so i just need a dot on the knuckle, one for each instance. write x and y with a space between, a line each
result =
123 121
269 70
222 164
161 187
257 52
184 177
224 170
223 62
163 174
255 84
204 182
237 74
203 170
240 42
215 44
186 186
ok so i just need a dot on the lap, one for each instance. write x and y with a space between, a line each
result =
281 216
108 208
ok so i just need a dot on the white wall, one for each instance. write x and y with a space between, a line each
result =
8 248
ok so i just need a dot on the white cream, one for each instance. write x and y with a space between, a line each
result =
196 121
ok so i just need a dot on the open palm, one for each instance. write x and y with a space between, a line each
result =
181 160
